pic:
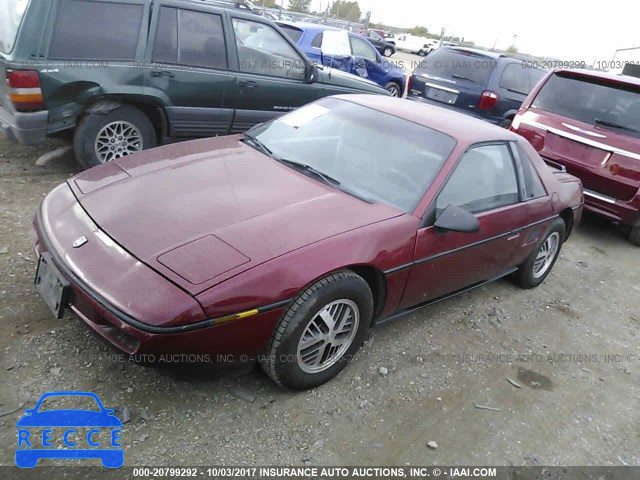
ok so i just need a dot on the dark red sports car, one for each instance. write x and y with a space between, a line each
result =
287 243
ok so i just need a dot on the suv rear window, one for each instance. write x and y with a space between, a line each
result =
591 101
453 64
11 13
96 31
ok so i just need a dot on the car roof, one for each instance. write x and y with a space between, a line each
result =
463 128
611 77
309 26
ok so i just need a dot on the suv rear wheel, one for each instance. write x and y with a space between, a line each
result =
101 138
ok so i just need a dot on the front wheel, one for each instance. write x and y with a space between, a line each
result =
634 235
539 264
320 332
393 89
101 138
422 53
388 52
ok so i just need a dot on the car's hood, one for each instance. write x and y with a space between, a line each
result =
200 212
338 78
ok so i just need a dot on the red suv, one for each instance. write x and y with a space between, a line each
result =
588 123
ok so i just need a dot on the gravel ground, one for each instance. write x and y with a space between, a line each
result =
409 385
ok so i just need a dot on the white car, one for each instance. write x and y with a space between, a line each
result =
413 44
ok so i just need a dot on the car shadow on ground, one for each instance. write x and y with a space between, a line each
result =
602 231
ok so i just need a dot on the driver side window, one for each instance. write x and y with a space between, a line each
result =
361 48
484 179
262 50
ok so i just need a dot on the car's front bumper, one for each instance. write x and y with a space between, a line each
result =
134 308
25 128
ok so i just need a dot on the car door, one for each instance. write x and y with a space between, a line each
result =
187 68
484 182
367 61
270 74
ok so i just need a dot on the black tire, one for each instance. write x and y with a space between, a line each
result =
634 235
394 89
280 361
388 52
91 124
526 276
506 123
422 53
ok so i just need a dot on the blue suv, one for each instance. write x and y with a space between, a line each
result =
359 56
487 85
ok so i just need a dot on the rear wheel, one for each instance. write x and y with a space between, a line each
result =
394 89
320 332
101 138
634 235
422 53
539 264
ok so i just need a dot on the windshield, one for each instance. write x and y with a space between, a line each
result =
590 101
453 64
11 13
367 153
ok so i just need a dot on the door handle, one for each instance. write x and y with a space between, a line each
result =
162 73
248 84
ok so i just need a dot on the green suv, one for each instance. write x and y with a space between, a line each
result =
119 76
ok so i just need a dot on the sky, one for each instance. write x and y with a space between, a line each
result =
566 29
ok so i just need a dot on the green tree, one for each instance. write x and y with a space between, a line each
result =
512 49
419 31
346 10
299 5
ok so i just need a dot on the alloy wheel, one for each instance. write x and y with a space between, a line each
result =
546 255
328 335
116 140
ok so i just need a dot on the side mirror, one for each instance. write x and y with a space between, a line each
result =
311 73
457 219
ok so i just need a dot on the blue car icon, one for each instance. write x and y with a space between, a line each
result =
31 448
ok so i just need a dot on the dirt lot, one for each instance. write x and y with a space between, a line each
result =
576 406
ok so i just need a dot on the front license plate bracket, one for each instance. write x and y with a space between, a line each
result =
51 285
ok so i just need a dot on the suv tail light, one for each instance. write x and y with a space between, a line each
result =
409 84
24 90
488 100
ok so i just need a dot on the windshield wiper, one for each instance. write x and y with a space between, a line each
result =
258 145
308 168
462 77
607 123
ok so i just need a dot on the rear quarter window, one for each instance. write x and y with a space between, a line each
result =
11 13
532 183
515 78
96 31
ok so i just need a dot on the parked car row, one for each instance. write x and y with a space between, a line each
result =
390 204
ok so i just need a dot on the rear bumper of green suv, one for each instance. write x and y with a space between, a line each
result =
25 128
